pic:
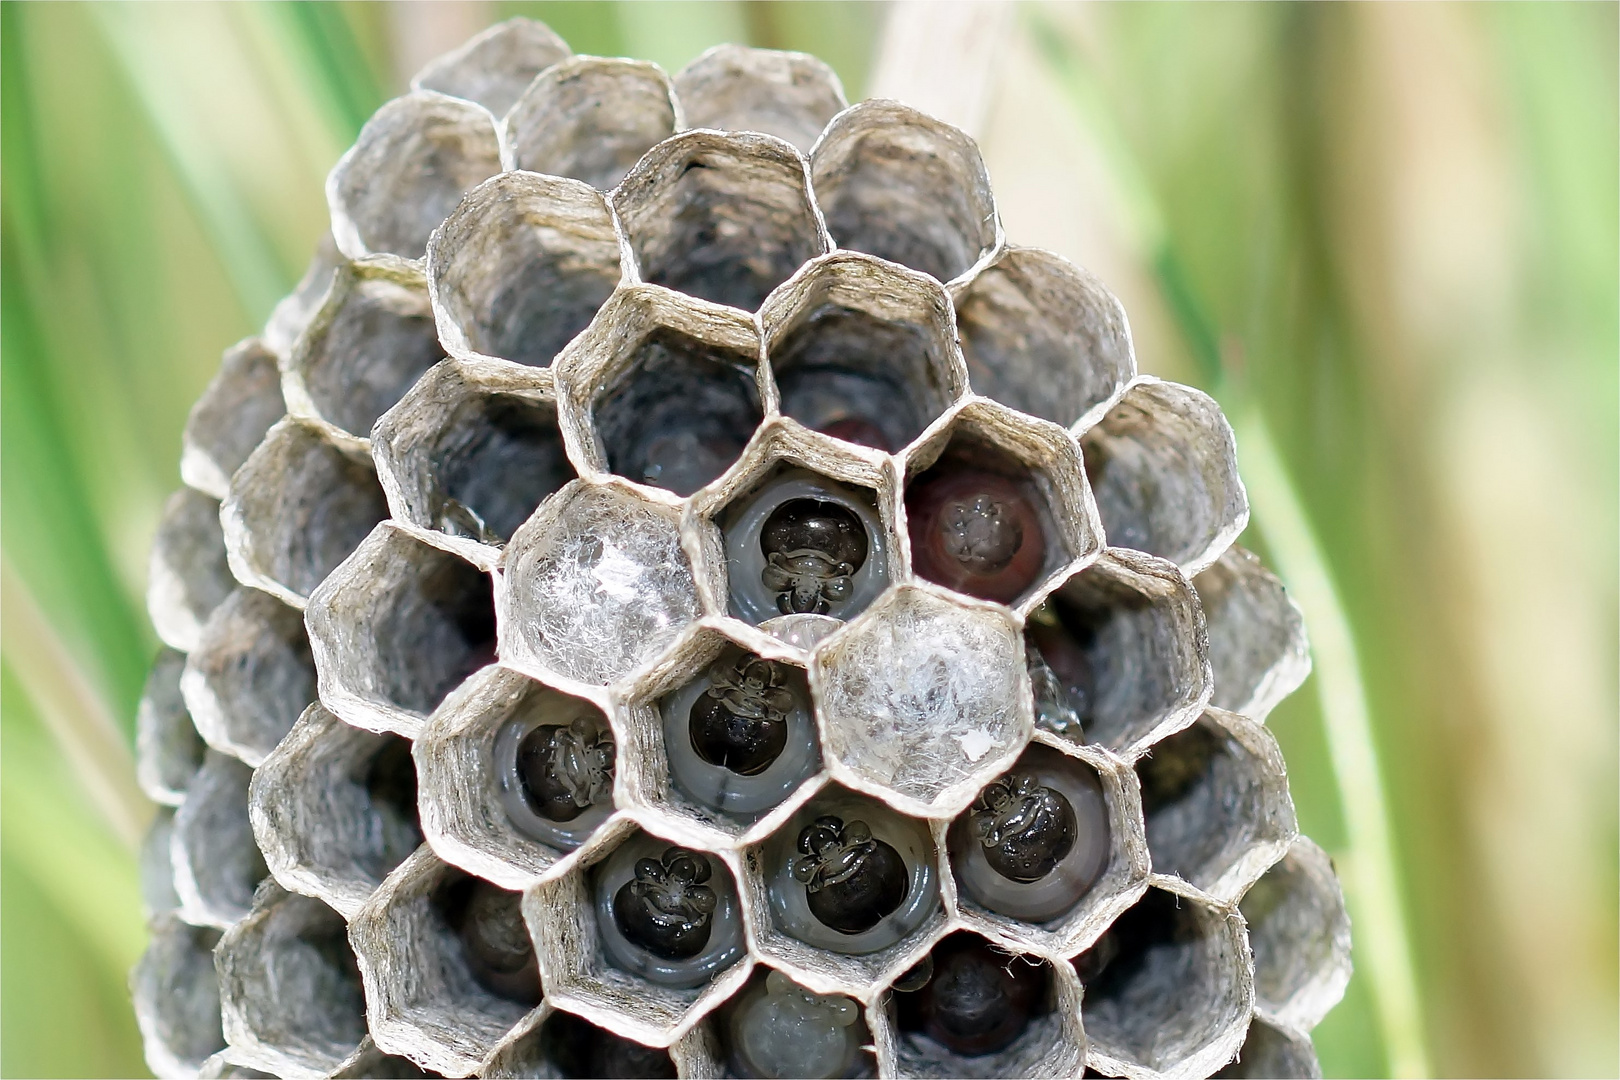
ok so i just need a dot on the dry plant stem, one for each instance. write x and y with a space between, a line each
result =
74 713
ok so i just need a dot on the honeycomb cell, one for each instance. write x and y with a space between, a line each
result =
863 350
294 311
662 389
1117 654
426 971
923 699
776 1028
469 452
608 959
216 863
372 337
232 415
475 811
903 186
787 94
1270 1050
187 576
176 997
846 894
1168 989
251 675
334 809
156 865
997 505
494 67
168 750
570 1046
802 526
1163 466
521 267
1257 643
1045 337
397 627
1215 798
595 587
413 161
984 1011
1052 850
723 217
370 1063
1300 934
299 505
591 118
289 990
720 739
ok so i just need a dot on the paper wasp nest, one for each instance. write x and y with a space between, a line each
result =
674 592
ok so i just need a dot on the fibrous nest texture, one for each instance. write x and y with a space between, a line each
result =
675 592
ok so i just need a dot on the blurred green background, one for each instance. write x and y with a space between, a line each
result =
1384 235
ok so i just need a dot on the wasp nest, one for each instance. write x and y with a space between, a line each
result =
674 592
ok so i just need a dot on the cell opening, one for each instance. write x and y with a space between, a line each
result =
800 543
496 458
554 759
494 947
435 627
970 999
1203 798
981 522
774 1027
859 377
577 1050
679 413
374 348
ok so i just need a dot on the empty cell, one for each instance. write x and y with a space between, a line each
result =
487 921
576 1048
187 574
679 413
231 417
499 457
493 67
176 997
734 88
591 118
251 675
168 750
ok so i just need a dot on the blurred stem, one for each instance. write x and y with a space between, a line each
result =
76 716
1371 872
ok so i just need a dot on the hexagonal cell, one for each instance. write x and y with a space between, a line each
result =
231 417
294 311
923 699
973 1009
250 676
997 504
288 986
469 452
448 966
1215 798
515 777
791 95
591 118
187 576
898 184
1163 466
372 338
845 932
720 740
521 267
863 350
168 750
297 508
413 161
1273 1051
801 526
724 217
570 1046
1045 337
216 863
494 67
595 586
1257 643
1168 989
1051 850
645 937
176 997
397 627
156 866
334 809
1117 655
775 1027
1300 934
662 389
